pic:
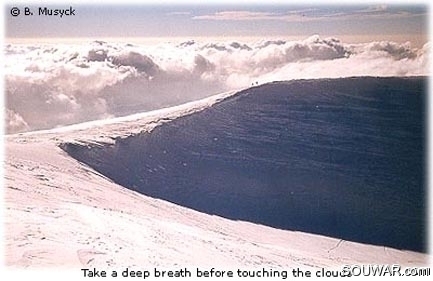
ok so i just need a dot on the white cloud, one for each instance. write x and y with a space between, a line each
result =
178 14
15 122
55 85
307 15
238 15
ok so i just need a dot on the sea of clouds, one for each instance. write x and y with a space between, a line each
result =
51 85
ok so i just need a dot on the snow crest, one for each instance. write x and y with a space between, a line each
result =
62 84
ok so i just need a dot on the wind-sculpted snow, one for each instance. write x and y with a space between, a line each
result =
51 85
341 158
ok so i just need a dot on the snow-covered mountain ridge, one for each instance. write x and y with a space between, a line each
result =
59 212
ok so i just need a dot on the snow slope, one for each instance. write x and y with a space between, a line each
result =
342 158
59 212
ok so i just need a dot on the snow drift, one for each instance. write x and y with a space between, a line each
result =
60 212
341 158
54 85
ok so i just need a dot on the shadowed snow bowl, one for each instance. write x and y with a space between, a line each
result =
338 157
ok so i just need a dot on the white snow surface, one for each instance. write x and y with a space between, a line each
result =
59 212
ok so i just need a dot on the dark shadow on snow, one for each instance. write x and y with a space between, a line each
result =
338 157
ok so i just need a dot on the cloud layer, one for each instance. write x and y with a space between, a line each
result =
315 14
55 85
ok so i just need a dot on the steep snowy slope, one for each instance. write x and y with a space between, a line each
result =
60 212
336 157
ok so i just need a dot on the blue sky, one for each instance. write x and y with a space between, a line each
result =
188 20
